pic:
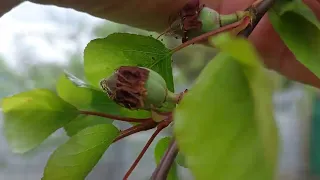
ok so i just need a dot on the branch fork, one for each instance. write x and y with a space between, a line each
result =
159 120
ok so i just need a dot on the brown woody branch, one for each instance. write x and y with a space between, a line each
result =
109 116
260 10
162 170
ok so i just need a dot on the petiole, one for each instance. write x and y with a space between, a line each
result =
163 124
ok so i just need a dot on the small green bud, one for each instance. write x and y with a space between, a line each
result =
212 20
137 88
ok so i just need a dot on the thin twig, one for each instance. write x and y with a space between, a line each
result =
162 170
147 125
260 10
119 118
204 37
160 127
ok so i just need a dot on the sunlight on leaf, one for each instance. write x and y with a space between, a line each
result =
103 56
299 28
224 125
159 151
31 116
77 157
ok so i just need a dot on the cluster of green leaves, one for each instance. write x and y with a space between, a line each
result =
32 116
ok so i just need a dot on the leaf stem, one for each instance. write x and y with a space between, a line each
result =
119 118
205 36
161 125
147 125
162 170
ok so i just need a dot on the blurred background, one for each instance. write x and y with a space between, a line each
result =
38 42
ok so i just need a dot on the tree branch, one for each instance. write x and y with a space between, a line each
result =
147 125
163 124
204 37
260 10
109 116
162 170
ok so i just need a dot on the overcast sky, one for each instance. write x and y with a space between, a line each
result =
30 22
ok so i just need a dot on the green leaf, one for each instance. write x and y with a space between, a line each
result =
181 160
31 116
135 113
77 157
103 56
224 125
159 151
299 28
84 96
82 122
